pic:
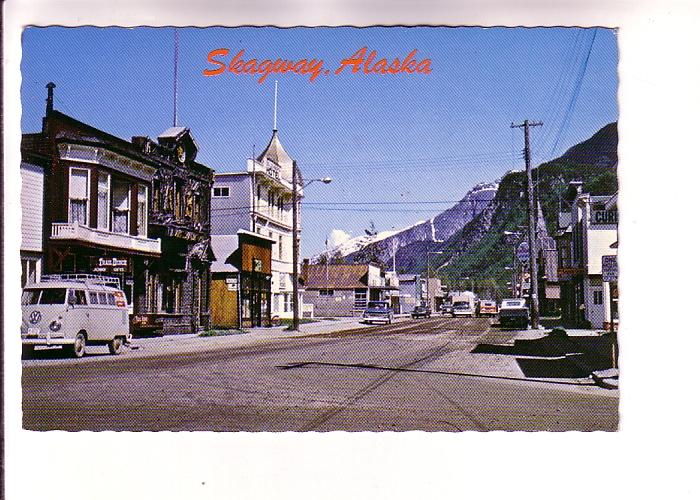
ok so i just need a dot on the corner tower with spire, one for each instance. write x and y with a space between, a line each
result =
266 188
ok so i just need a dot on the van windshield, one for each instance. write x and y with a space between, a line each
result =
44 296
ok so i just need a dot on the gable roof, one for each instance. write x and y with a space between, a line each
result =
339 276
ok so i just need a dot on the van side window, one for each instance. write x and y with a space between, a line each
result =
93 297
103 298
79 297
110 299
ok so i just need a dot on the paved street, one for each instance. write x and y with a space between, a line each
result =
410 375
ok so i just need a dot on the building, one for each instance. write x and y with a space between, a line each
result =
136 210
589 234
260 200
241 277
177 285
95 214
413 291
337 290
34 161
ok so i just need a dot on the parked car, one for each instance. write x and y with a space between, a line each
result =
461 308
514 313
446 309
421 312
377 311
487 308
74 311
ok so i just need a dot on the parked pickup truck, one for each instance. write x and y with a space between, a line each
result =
514 313
377 311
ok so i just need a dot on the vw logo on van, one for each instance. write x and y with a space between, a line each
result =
34 317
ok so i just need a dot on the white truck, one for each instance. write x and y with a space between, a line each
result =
463 304
74 311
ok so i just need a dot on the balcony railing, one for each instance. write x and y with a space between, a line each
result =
77 232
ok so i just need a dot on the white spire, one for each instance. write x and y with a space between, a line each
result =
274 126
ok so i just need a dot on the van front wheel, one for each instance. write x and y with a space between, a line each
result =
115 345
77 350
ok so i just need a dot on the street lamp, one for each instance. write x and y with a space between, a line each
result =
427 277
295 240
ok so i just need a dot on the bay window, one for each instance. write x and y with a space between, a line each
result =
120 206
142 211
79 194
103 201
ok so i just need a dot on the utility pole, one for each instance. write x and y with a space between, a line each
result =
531 227
295 248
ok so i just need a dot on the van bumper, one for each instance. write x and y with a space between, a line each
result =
46 339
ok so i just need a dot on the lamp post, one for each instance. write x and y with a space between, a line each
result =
295 240
427 277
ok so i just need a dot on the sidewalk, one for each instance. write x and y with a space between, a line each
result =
587 352
194 342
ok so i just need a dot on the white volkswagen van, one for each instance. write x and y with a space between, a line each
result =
74 311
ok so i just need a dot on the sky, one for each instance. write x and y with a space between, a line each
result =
400 148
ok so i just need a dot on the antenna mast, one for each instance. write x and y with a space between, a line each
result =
274 124
175 81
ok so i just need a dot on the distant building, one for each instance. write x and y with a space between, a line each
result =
343 289
590 233
260 200
241 276
413 291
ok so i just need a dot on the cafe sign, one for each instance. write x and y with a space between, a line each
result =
111 264
600 217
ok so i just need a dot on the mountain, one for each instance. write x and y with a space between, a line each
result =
481 251
381 246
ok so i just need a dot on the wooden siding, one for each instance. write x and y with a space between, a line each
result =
32 202
224 305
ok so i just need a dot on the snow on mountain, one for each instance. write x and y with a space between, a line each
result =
436 229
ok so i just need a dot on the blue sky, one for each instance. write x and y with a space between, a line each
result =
382 138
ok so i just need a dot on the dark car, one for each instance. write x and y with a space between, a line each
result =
514 313
421 312
446 309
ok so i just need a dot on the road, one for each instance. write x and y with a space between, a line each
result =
410 375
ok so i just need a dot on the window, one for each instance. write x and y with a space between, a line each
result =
360 298
78 296
280 248
79 190
325 292
110 299
287 302
53 296
102 298
142 211
120 206
179 202
221 192
103 200
30 271
93 297
598 297
30 297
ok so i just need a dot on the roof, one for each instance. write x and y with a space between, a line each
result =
223 245
173 132
339 276
275 153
